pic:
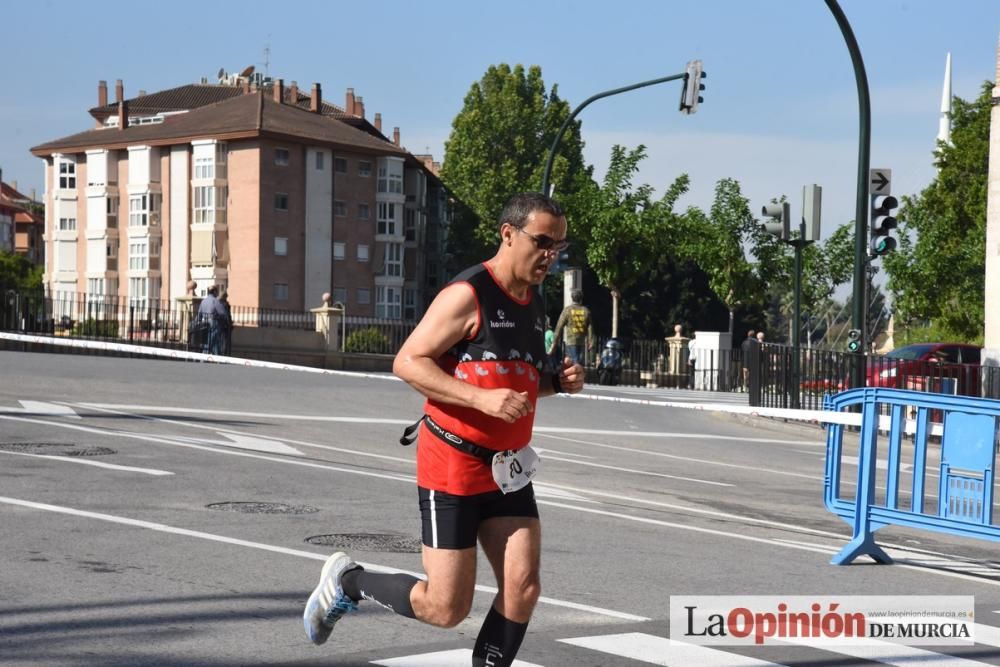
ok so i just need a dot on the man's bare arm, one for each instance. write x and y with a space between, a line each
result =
451 317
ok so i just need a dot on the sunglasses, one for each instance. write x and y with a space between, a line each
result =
546 243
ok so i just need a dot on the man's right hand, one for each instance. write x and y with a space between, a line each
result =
505 404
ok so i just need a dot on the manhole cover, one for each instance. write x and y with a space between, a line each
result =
262 508
384 542
54 449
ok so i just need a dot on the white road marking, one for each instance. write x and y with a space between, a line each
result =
633 450
164 528
87 462
230 433
662 651
245 442
41 409
460 657
546 491
638 472
898 655
540 451
411 479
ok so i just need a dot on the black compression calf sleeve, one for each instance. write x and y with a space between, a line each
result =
498 641
391 591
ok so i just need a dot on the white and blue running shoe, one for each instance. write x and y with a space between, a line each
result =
328 602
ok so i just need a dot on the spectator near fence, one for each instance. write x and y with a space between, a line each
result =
213 313
577 327
746 348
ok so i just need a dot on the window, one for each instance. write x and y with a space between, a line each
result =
67 175
281 291
339 209
363 211
112 249
319 160
364 296
340 295
338 250
410 224
390 177
362 252
340 165
67 224
204 204
204 167
364 168
137 289
280 246
387 222
280 201
281 157
387 302
142 210
394 259
95 286
409 304
138 258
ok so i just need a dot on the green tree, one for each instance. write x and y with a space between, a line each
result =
498 146
623 230
937 272
718 242
16 272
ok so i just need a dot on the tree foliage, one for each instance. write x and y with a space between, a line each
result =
499 144
623 230
937 272
17 273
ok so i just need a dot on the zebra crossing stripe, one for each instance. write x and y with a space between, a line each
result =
662 651
456 658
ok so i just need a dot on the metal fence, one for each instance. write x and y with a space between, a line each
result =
773 382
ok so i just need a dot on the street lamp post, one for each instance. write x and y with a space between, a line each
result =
860 211
608 93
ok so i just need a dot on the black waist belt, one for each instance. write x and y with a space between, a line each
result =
484 454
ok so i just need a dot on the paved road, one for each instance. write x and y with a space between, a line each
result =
133 551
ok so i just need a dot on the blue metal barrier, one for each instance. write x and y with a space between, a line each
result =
965 461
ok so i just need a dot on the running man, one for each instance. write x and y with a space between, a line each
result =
478 356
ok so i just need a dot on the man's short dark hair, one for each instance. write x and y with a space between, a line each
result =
576 295
520 206
213 290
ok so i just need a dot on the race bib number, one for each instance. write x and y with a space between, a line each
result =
512 470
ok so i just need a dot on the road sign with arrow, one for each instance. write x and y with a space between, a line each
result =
880 181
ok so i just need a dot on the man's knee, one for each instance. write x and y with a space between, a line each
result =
524 589
448 613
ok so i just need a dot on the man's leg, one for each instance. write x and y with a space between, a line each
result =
513 547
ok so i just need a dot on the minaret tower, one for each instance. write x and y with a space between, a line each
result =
991 342
944 125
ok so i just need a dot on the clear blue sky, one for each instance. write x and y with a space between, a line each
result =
780 107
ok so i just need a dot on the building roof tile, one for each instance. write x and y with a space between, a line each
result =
244 115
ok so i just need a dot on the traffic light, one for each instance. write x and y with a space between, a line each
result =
780 222
854 340
561 263
690 95
881 223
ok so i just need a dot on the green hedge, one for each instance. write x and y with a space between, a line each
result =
369 340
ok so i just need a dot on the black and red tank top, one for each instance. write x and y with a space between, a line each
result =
507 350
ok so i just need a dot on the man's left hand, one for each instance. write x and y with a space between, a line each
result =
571 377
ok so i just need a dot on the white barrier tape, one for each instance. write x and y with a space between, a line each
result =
182 354
813 416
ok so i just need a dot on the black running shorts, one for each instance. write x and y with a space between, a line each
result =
452 522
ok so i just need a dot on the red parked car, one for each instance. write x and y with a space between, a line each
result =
951 368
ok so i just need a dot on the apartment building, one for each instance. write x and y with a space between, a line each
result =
273 194
20 226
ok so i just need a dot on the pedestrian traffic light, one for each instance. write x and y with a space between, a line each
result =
780 222
690 95
854 340
881 223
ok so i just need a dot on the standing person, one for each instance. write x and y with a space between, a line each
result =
550 343
478 357
577 328
213 312
745 350
760 337
226 326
